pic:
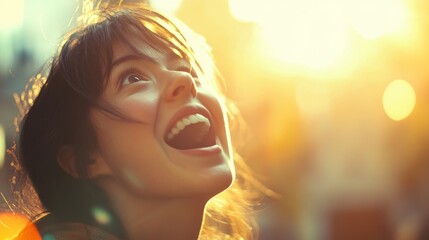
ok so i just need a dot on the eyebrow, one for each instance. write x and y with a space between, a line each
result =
132 57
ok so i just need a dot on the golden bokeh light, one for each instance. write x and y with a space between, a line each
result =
11 224
306 33
306 37
2 145
316 34
376 18
167 6
250 13
399 99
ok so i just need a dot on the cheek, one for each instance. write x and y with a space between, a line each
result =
140 106
119 139
129 149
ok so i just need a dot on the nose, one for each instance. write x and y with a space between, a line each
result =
182 85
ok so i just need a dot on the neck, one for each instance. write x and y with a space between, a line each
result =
157 218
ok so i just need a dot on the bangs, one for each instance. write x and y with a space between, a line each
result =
149 27
86 56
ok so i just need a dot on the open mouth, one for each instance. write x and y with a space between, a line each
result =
191 132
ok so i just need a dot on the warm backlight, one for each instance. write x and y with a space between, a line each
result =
375 18
399 99
11 224
166 6
248 14
316 34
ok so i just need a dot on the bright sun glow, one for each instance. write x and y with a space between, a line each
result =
11 14
399 100
167 6
375 18
11 224
308 33
2 146
314 33
248 14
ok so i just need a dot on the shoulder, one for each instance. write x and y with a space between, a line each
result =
47 228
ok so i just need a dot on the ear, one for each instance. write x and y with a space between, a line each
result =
98 167
66 158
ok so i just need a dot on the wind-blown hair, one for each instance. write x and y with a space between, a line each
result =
55 106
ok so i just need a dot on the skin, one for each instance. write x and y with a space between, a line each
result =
158 192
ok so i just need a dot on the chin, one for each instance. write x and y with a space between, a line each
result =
224 178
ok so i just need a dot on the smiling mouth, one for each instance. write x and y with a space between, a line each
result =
191 132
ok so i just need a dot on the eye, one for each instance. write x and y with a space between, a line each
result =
132 77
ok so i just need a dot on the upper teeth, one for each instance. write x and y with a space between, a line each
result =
186 121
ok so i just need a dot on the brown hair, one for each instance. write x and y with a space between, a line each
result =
56 114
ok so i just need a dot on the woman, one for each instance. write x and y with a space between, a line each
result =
128 137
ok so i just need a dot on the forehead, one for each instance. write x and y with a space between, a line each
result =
135 46
159 51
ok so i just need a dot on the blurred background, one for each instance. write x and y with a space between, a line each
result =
335 94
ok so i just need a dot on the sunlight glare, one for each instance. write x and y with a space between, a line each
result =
375 18
308 33
245 10
317 34
167 6
399 99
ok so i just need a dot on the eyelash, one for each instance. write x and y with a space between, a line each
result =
123 77
126 74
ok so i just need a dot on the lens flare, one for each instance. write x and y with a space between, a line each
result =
399 100
101 215
48 237
11 224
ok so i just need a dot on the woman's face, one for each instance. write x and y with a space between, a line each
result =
179 143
